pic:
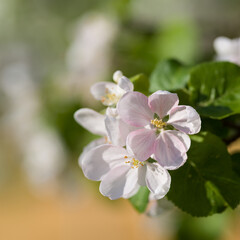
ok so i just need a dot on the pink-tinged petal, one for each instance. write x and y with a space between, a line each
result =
133 109
117 129
125 129
170 150
125 84
185 119
119 182
98 161
183 137
141 142
158 180
161 102
91 120
91 145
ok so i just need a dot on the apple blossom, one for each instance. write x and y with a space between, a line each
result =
110 93
94 123
121 174
109 126
163 126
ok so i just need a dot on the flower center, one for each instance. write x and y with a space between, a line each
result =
158 123
134 163
110 98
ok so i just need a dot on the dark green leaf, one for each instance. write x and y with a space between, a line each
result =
141 83
214 126
236 163
206 183
183 96
216 199
140 200
215 89
169 75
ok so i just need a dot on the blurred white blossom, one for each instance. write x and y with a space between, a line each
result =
41 148
89 55
227 49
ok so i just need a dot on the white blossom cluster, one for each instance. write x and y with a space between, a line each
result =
142 138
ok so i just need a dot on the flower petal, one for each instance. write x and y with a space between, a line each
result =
141 142
170 149
112 122
91 120
142 175
125 84
109 93
185 119
185 139
117 75
117 129
91 145
133 109
99 160
119 182
161 102
132 193
99 90
158 180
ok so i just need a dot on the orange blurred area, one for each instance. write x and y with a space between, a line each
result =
24 216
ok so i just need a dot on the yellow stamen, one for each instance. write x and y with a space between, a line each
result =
110 98
135 163
158 123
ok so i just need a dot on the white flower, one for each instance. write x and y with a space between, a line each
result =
110 93
94 123
109 126
227 49
121 174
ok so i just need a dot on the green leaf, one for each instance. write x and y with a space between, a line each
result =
140 200
215 89
169 75
206 183
236 163
141 83
214 126
216 199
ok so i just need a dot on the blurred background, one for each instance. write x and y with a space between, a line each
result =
51 52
